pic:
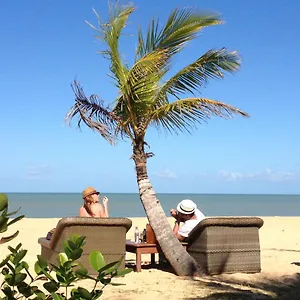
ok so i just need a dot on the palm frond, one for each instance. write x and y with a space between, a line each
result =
92 113
141 87
211 65
110 33
182 115
181 27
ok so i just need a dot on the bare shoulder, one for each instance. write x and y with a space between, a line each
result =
83 212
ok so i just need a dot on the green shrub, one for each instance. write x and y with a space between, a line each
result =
4 219
58 278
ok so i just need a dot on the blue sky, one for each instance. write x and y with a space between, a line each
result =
46 44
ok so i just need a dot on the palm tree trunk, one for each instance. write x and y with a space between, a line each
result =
180 260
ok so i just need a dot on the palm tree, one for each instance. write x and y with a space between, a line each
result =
146 98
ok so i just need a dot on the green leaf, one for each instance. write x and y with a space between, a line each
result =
18 268
105 281
25 265
76 253
15 220
3 222
108 267
74 237
40 295
96 260
67 249
8 238
57 297
3 262
123 272
60 277
82 273
8 292
25 289
51 286
19 256
14 212
4 212
10 267
62 258
11 249
85 294
3 228
68 264
118 264
9 279
37 268
43 263
72 245
74 293
20 278
80 241
18 247
3 201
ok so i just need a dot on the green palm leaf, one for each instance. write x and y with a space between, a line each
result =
110 33
92 113
182 115
143 98
181 27
142 85
211 65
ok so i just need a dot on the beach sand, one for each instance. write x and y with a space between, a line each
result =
279 279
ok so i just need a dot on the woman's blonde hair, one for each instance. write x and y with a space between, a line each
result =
88 200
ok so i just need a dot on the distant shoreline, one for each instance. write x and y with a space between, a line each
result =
49 205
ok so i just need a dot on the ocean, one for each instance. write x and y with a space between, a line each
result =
58 205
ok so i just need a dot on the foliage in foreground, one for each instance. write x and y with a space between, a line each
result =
4 219
59 279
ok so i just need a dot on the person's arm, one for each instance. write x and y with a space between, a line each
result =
105 205
174 214
175 230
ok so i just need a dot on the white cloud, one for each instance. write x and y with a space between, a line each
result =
267 175
37 171
166 174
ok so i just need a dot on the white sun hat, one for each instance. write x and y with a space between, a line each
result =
186 207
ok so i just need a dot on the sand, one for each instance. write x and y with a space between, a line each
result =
279 279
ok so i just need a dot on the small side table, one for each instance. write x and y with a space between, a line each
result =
143 248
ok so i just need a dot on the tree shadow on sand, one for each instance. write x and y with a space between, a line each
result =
284 288
165 267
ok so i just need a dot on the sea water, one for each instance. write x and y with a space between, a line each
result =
58 205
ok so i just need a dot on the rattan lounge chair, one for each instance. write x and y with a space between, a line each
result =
107 235
226 244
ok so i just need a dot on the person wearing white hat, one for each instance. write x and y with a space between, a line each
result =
188 213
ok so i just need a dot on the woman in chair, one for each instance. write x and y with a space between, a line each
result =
91 206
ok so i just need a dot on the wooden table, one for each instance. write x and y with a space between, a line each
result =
143 248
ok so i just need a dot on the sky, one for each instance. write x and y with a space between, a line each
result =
45 45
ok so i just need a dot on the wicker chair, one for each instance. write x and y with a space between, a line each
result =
107 235
226 244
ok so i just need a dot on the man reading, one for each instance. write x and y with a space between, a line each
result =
188 214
